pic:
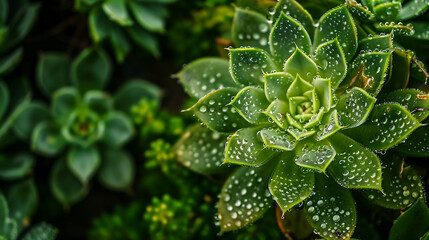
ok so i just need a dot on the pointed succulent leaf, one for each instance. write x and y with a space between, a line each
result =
83 162
276 85
420 30
369 4
298 87
248 65
315 155
370 71
401 185
91 70
132 92
417 144
118 129
9 61
397 28
324 92
64 102
300 64
412 9
117 169
147 16
4 215
120 43
400 72
360 11
99 25
276 112
415 101
250 29
66 187
23 200
41 231
14 166
331 60
46 139
354 166
53 72
28 118
387 126
378 43
331 209
246 147
208 107
412 224
278 138
98 102
329 125
354 107
293 9
244 197
250 103
287 35
205 75
144 39
300 134
387 11
117 11
201 150
290 184
4 99
338 23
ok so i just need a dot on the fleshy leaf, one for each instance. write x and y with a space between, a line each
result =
330 125
117 169
294 222
401 185
412 224
8 62
64 102
354 107
83 162
276 112
66 188
278 138
354 166
417 144
397 28
338 24
293 9
15 165
250 29
23 200
47 139
250 103
147 16
132 92
315 155
331 209
362 12
98 24
118 129
287 35
298 87
28 118
208 108
413 9
324 92
116 10
246 147
400 72
300 134
4 99
98 102
205 75
244 197
120 43
53 72
248 65
300 64
201 150
41 231
387 11
290 184
376 43
387 126
4 215
276 84
330 58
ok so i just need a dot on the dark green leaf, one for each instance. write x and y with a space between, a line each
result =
338 24
4 99
23 200
250 29
10 61
331 209
250 103
276 111
4 11
276 85
144 39
290 184
148 16
15 165
132 92
118 129
278 138
354 166
91 70
333 65
299 63
417 144
295 10
329 125
420 30
117 170
248 65
397 28
377 43
354 107
287 35
116 10
98 102
99 26
400 72
47 139
64 102
28 118
315 155
83 162
387 126
205 75
66 187
412 9
362 12
120 43
244 197
387 11
412 224
208 108
201 150
41 231
246 147
53 72
4 215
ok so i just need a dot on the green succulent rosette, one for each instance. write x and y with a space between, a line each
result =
308 116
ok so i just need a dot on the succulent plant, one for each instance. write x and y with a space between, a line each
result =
123 22
84 127
307 119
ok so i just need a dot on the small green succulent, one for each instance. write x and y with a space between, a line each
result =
84 128
307 119
125 21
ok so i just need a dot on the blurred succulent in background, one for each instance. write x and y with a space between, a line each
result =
307 119
126 22
84 127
